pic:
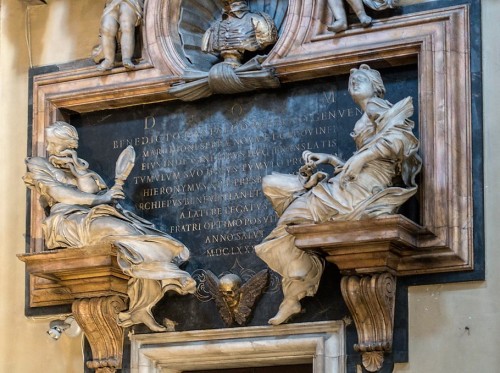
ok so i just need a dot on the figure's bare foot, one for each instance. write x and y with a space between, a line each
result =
288 309
127 319
128 64
151 323
365 20
338 25
105 65
170 324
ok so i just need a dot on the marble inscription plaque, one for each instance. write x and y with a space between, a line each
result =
199 169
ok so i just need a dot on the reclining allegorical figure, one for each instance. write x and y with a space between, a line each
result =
375 181
82 211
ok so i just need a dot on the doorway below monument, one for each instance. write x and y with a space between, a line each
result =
303 368
317 347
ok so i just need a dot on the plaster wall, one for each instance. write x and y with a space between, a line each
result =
453 328
456 327
57 34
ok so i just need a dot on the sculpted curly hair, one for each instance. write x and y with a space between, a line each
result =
374 77
62 131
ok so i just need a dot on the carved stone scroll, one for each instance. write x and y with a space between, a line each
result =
364 187
369 254
371 302
97 317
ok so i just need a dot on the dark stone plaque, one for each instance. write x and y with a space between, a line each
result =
199 169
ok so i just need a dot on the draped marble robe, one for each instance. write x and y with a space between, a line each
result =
388 135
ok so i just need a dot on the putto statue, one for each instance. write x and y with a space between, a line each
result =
82 211
237 33
375 181
340 17
118 22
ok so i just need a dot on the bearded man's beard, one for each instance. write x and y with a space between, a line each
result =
68 159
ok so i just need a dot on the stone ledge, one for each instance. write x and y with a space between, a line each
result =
387 244
63 275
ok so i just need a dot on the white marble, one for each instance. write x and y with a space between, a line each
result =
321 344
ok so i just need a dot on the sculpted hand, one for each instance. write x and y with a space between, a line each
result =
352 168
111 196
321 158
316 158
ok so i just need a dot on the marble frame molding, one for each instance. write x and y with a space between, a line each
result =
437 41
321 343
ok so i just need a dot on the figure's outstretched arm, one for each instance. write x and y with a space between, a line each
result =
72 196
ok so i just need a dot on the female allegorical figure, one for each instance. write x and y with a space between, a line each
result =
82 211
376 180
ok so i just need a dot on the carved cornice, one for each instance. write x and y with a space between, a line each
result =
385 244
321 343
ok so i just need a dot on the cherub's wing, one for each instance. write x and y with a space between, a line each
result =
250 291
212 284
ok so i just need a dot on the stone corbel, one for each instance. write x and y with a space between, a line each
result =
370 298
97 317
368 254
91 281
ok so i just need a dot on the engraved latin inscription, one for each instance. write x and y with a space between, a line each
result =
200 166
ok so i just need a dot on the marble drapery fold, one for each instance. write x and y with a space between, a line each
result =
82 211
375 181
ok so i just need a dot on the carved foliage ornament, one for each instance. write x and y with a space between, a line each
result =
97 317
371 302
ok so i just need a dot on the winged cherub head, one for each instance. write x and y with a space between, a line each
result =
229 286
